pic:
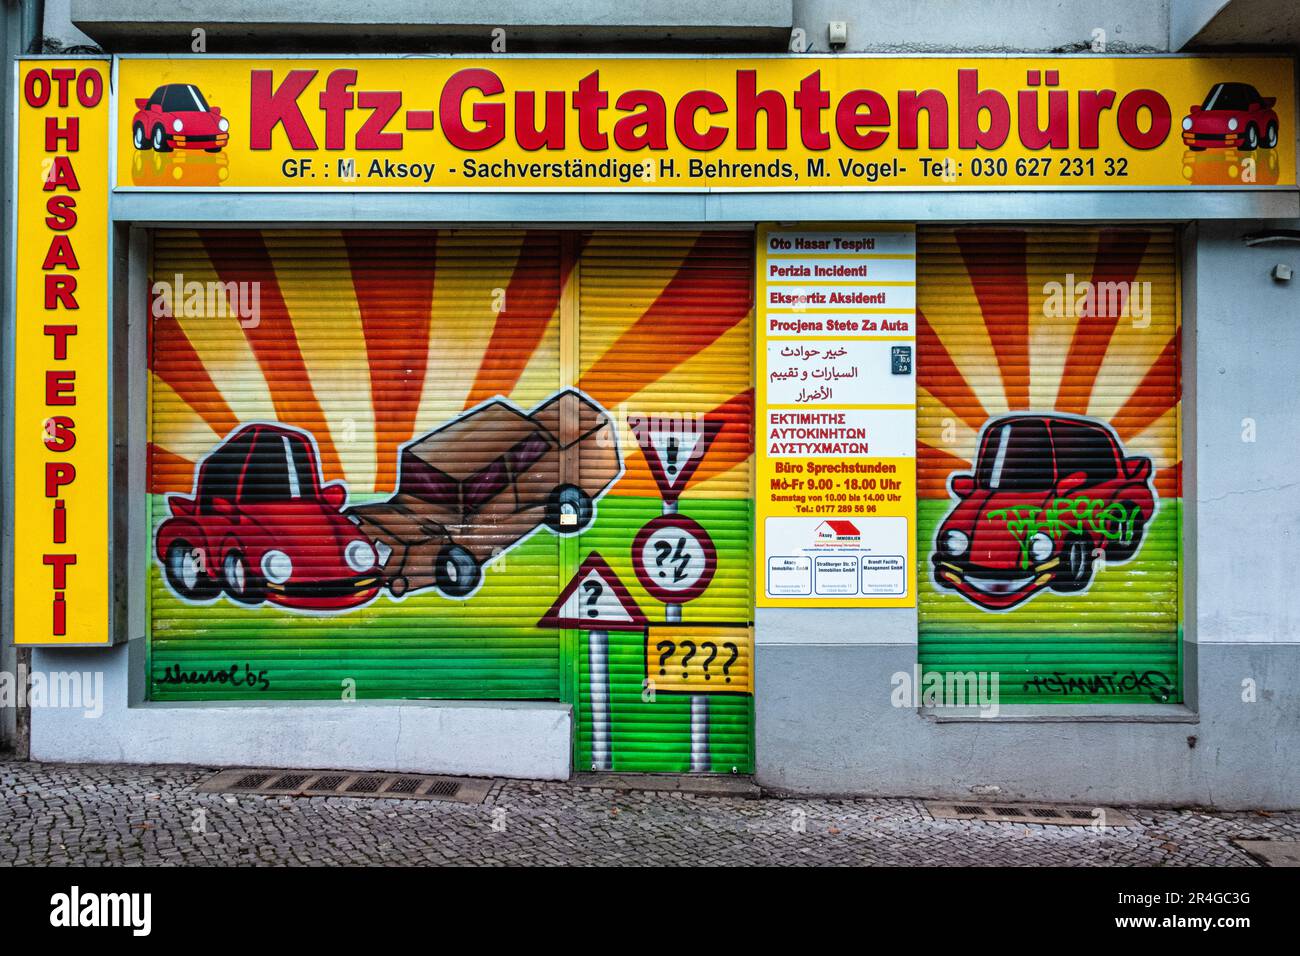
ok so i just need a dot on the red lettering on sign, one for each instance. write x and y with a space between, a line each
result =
58 474
60 254
749 103
63 213
62 174
61 334
70 134
59 290
271 108
59 386
60 564
491 115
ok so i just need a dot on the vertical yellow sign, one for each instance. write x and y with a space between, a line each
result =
61 355
836 471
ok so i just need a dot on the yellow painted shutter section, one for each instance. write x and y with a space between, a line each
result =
1069 335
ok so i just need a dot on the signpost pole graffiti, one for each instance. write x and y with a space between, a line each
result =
595 600
598 668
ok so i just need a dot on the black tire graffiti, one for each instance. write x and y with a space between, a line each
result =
457 572
1130 533
186 570
1075 570
242 583
569 499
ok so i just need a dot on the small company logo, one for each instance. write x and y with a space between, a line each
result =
837 534
77 909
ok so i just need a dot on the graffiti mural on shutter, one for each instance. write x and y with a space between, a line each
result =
377 458
352 464
665 331
1050 464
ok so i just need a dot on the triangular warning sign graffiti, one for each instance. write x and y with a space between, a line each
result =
595 600
673 448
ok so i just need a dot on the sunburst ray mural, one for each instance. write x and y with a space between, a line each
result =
366 340
1074 334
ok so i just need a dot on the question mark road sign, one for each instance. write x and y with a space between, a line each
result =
700 658
595 600
674 558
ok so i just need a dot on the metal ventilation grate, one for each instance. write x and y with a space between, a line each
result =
1041 813
323 783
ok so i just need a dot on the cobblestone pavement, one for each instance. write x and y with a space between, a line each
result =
65 814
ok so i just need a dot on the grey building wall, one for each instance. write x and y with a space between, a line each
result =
874 25
989 26
20 32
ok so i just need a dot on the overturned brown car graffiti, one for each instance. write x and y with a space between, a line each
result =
472 489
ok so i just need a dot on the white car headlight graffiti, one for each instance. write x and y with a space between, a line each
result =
276 567
359 555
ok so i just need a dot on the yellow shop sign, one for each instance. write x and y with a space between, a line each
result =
786 123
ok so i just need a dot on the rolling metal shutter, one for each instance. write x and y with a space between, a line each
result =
665 329
1056 354
359 343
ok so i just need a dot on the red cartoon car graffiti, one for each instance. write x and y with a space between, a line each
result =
1233 116
177 117
1049 493
263 527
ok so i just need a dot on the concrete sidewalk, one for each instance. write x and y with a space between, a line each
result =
132 815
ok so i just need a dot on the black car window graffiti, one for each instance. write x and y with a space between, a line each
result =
525 452
1084 448
421 480
221 475
279 471
1017 456
484 485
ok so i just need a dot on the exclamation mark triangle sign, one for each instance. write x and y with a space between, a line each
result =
595 600
673 448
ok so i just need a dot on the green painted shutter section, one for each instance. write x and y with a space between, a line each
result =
665 330
1059 350
363 341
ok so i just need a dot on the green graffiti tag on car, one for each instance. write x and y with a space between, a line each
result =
1063 516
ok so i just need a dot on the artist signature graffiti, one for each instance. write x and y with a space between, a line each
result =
1155 683
1063 516
234 675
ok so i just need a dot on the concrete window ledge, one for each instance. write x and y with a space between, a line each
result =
522 739
1067 713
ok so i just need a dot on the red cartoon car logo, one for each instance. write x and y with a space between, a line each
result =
1049 493
1233 116
177 117
263 527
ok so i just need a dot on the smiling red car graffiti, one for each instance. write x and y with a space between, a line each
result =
262 526
1050 493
